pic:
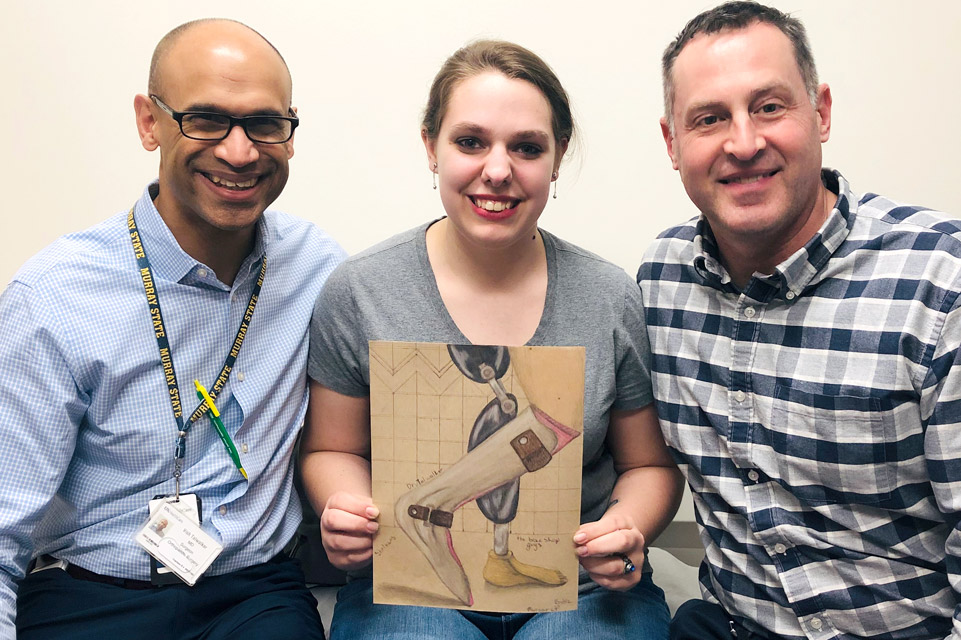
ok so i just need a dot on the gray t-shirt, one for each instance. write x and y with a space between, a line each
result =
388 292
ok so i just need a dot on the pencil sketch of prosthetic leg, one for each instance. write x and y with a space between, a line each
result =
521 443
499 506
485 364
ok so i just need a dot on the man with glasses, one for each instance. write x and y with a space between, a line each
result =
119 488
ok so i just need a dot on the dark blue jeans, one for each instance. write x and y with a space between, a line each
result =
267 601
702 620
639 614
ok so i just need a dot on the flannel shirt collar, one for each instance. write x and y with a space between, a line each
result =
796 272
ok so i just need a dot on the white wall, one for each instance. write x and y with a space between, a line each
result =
361 72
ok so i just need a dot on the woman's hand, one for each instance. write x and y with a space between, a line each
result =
608 548
347 528
644 499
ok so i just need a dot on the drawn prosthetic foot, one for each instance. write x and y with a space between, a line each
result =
508 571
499 506
426 512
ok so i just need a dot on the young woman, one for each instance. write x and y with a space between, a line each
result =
496 127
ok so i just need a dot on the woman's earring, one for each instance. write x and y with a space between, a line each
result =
554 178
434 174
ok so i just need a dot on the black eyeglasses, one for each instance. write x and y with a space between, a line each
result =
204 125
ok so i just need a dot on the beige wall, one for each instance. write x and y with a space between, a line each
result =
361 72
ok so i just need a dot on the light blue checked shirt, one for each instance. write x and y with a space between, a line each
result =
87 433
817 416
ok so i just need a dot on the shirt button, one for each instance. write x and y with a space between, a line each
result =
240 376
779 548
790 295
223 510
816 624
202 273
753 475
749 312
244 447
739 395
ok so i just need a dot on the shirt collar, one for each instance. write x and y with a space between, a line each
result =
796 272
169 262
707 258
799 269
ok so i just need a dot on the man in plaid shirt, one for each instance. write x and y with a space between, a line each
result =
806 359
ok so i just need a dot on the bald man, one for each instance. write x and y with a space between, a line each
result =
102 335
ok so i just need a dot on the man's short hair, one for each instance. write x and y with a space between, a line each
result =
155 81
739 15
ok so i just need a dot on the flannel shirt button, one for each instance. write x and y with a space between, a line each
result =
223 510
779 548
753 475
749 312
789 295
202 273
739 395
240 376
816 624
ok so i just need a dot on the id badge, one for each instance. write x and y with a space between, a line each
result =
190 504
177 541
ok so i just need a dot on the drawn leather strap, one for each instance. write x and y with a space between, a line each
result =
436 516
531 451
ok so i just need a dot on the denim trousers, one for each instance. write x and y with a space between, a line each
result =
702 620
640 613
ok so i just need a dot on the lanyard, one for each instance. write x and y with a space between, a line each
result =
163 344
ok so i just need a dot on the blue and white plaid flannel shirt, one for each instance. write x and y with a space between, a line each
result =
817 417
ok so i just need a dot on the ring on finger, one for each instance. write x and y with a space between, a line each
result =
628 564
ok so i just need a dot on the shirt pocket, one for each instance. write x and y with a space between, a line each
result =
832 449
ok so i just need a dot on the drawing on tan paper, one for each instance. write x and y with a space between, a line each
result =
476 466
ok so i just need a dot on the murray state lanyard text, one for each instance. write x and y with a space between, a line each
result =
163 344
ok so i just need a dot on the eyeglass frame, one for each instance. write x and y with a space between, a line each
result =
233 121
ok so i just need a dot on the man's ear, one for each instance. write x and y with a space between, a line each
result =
146 122
669 141
823 107
290 143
